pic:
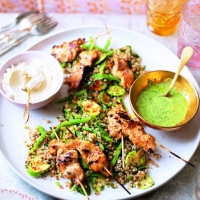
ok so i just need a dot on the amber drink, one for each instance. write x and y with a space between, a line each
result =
163 16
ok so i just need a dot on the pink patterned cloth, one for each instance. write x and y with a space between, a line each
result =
75 6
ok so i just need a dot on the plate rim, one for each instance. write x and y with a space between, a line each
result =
123 29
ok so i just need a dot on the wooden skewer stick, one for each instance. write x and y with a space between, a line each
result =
84 190
116 180
110 37
122 138
55 133
99 36
96 39
70 132
160 145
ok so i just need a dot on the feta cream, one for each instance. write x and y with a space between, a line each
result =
39 76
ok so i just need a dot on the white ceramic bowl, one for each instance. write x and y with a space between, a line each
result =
27 57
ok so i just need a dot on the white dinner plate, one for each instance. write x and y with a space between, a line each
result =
154 56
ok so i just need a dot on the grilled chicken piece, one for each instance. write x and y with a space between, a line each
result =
123 72
67 51
120 124
87 57
76 76
141 139
93 156
67 161
68 165
54 145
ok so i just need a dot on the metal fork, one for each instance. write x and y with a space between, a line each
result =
24 25
37 25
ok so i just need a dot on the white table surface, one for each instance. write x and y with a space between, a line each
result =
179 188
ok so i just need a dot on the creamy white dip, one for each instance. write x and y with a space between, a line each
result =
39 76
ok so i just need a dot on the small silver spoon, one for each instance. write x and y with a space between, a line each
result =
18 19
26 111
185 56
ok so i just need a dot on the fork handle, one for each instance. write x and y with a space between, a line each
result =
13 43
4 28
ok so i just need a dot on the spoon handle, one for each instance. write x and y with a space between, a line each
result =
185 56
6 27
13 43
26 111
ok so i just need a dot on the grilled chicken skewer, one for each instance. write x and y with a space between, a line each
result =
67 163
91 153
122 71
68 52
120 124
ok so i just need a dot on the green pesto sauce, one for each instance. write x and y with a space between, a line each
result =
162 111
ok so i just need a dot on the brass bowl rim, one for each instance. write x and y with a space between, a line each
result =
157 126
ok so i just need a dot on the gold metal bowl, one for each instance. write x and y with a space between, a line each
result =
190 94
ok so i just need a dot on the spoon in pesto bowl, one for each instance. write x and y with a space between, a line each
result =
185 56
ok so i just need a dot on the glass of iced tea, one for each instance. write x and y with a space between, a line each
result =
163 16
189 31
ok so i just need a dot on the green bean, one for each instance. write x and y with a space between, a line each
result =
72 122
68 114
105 76
99 48
53 136
57 183
86 186
95 174
63 64
92 42
107 45
141 167
40 139
79 189
104 134
101 59
88 173
84 46
77 133
117 153
83 163
110 53
102 67
85 128
101 146
63 135
74 187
